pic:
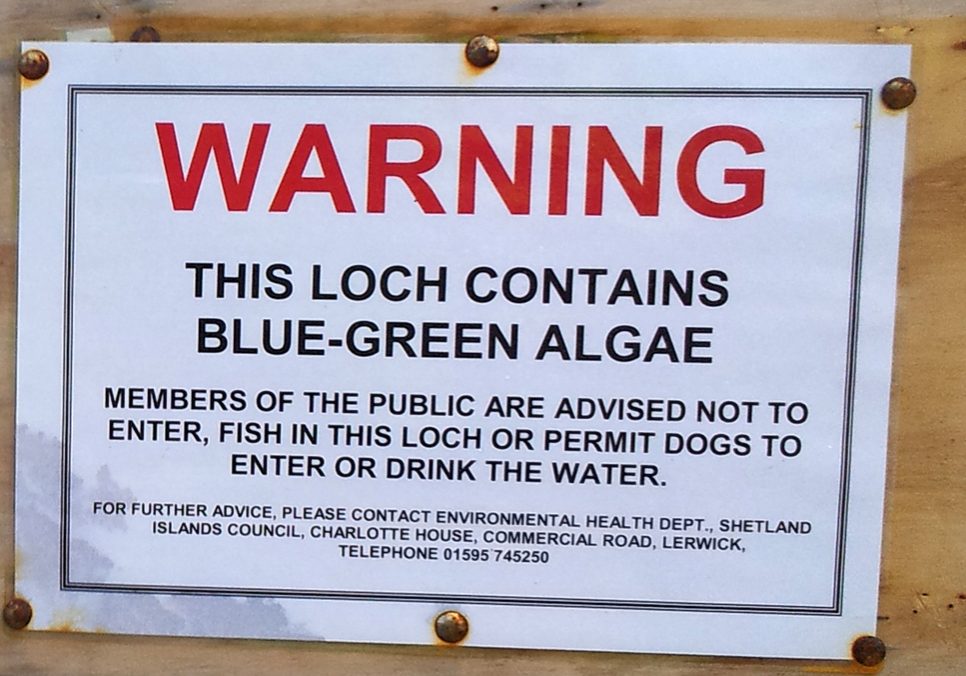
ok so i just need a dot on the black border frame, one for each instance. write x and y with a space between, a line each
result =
865 96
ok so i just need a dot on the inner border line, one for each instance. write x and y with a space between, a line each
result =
864 95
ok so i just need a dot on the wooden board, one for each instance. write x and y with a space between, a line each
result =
923 587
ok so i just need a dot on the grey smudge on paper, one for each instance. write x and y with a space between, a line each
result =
38 544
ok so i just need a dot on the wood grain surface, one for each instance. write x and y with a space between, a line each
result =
923 586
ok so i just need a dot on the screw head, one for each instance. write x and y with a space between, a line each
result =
482 51
898 93
451 626
869 651
33 64
17 613
146 34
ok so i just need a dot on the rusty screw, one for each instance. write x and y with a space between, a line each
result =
898 93
482 51
869 651
33 64
452 626
17 614
146 34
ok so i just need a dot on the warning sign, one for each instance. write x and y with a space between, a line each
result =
532 343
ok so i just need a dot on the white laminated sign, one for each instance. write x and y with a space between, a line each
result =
322 341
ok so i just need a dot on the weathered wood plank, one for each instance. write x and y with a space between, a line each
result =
923 590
